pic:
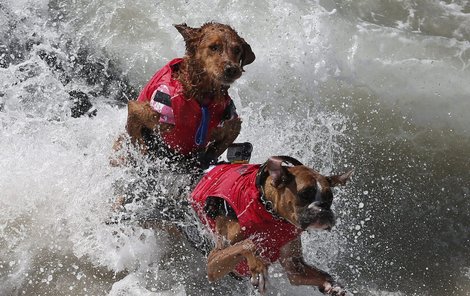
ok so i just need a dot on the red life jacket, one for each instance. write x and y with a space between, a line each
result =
236 184
184 113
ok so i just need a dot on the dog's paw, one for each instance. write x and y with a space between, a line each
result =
233 125
259 281
332 288
227 132
258 269
259 274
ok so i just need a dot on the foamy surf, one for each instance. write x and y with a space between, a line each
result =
376 85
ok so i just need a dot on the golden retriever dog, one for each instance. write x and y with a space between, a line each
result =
185 110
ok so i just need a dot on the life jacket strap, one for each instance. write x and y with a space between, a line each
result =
201 132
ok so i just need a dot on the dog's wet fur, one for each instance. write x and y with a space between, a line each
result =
214 59
301 196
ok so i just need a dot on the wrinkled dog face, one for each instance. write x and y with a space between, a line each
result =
218 49
313 199
306 195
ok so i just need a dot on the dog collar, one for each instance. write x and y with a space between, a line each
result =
261 177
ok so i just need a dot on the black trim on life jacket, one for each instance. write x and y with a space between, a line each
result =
163 98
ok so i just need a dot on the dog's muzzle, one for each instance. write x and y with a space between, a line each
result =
231 73
316 216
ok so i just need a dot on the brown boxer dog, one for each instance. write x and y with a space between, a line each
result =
290 199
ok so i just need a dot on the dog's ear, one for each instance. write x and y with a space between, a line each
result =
248 55
340 179
190 36
280 176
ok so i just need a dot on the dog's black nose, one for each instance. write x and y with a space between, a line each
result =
322 205
231 71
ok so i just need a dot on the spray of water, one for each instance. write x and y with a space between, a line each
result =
380 86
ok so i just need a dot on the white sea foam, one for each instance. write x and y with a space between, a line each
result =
56 184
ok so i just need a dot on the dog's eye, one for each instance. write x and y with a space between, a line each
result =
214 47
307 195
237 50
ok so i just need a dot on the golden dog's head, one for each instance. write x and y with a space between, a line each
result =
218 50
300 194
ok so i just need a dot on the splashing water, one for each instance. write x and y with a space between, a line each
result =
381 86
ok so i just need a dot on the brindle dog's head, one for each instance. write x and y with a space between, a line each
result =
300 194
218 51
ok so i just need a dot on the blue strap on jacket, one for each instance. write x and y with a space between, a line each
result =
203 126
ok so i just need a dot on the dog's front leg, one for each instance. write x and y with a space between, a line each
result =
258 269
301 273
223 260
222 137
140 115
230 249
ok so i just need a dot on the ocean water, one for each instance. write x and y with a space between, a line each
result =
380 86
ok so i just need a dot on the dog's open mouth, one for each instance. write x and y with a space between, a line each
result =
317 218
